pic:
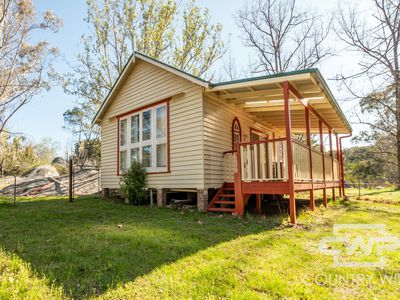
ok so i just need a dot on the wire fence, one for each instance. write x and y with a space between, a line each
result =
367 185
85 181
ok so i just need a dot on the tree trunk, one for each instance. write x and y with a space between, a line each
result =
398 132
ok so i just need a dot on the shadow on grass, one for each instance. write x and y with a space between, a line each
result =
376 192
281 207
377 209
92 245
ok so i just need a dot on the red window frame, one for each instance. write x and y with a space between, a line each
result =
233 131
166 101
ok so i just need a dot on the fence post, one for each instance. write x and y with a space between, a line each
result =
71 198
15 188
98 181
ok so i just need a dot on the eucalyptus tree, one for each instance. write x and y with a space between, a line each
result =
181 35
375 35
26 66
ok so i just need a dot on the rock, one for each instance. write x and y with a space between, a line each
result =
44 181
58 161
42 172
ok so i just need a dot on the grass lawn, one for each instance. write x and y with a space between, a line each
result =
93 248
386 195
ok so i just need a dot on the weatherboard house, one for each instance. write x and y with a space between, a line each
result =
240 138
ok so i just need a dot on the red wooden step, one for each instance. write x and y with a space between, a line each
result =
224 202
227 195
228 188
221 209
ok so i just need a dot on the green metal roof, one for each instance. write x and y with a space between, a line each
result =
282 74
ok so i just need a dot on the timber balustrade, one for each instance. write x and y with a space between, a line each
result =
318 169
301 161
264 160
267 161
230 165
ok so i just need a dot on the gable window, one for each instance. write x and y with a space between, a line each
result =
236 132
143 136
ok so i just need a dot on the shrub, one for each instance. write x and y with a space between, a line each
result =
133 184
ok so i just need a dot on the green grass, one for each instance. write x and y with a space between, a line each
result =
81 246
18 281
80 250
386 195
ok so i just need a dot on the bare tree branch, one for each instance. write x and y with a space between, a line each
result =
283 37
378 42
26 67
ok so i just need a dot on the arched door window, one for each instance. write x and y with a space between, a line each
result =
236 132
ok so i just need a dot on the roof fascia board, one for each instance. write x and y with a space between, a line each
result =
114 89
333 101
258 82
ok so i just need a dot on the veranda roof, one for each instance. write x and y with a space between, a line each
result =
262 97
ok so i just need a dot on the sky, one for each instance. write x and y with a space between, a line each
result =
43 117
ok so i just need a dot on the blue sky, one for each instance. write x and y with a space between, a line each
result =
43 116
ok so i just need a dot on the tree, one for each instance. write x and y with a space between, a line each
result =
25 66
378 41
79 119
381 133
46 150
156 28
88 152
229 69
16 154
283 36
199 45
362 165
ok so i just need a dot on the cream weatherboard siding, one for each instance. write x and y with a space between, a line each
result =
217 123
145 85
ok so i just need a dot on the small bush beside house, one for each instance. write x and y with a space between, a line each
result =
133 184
